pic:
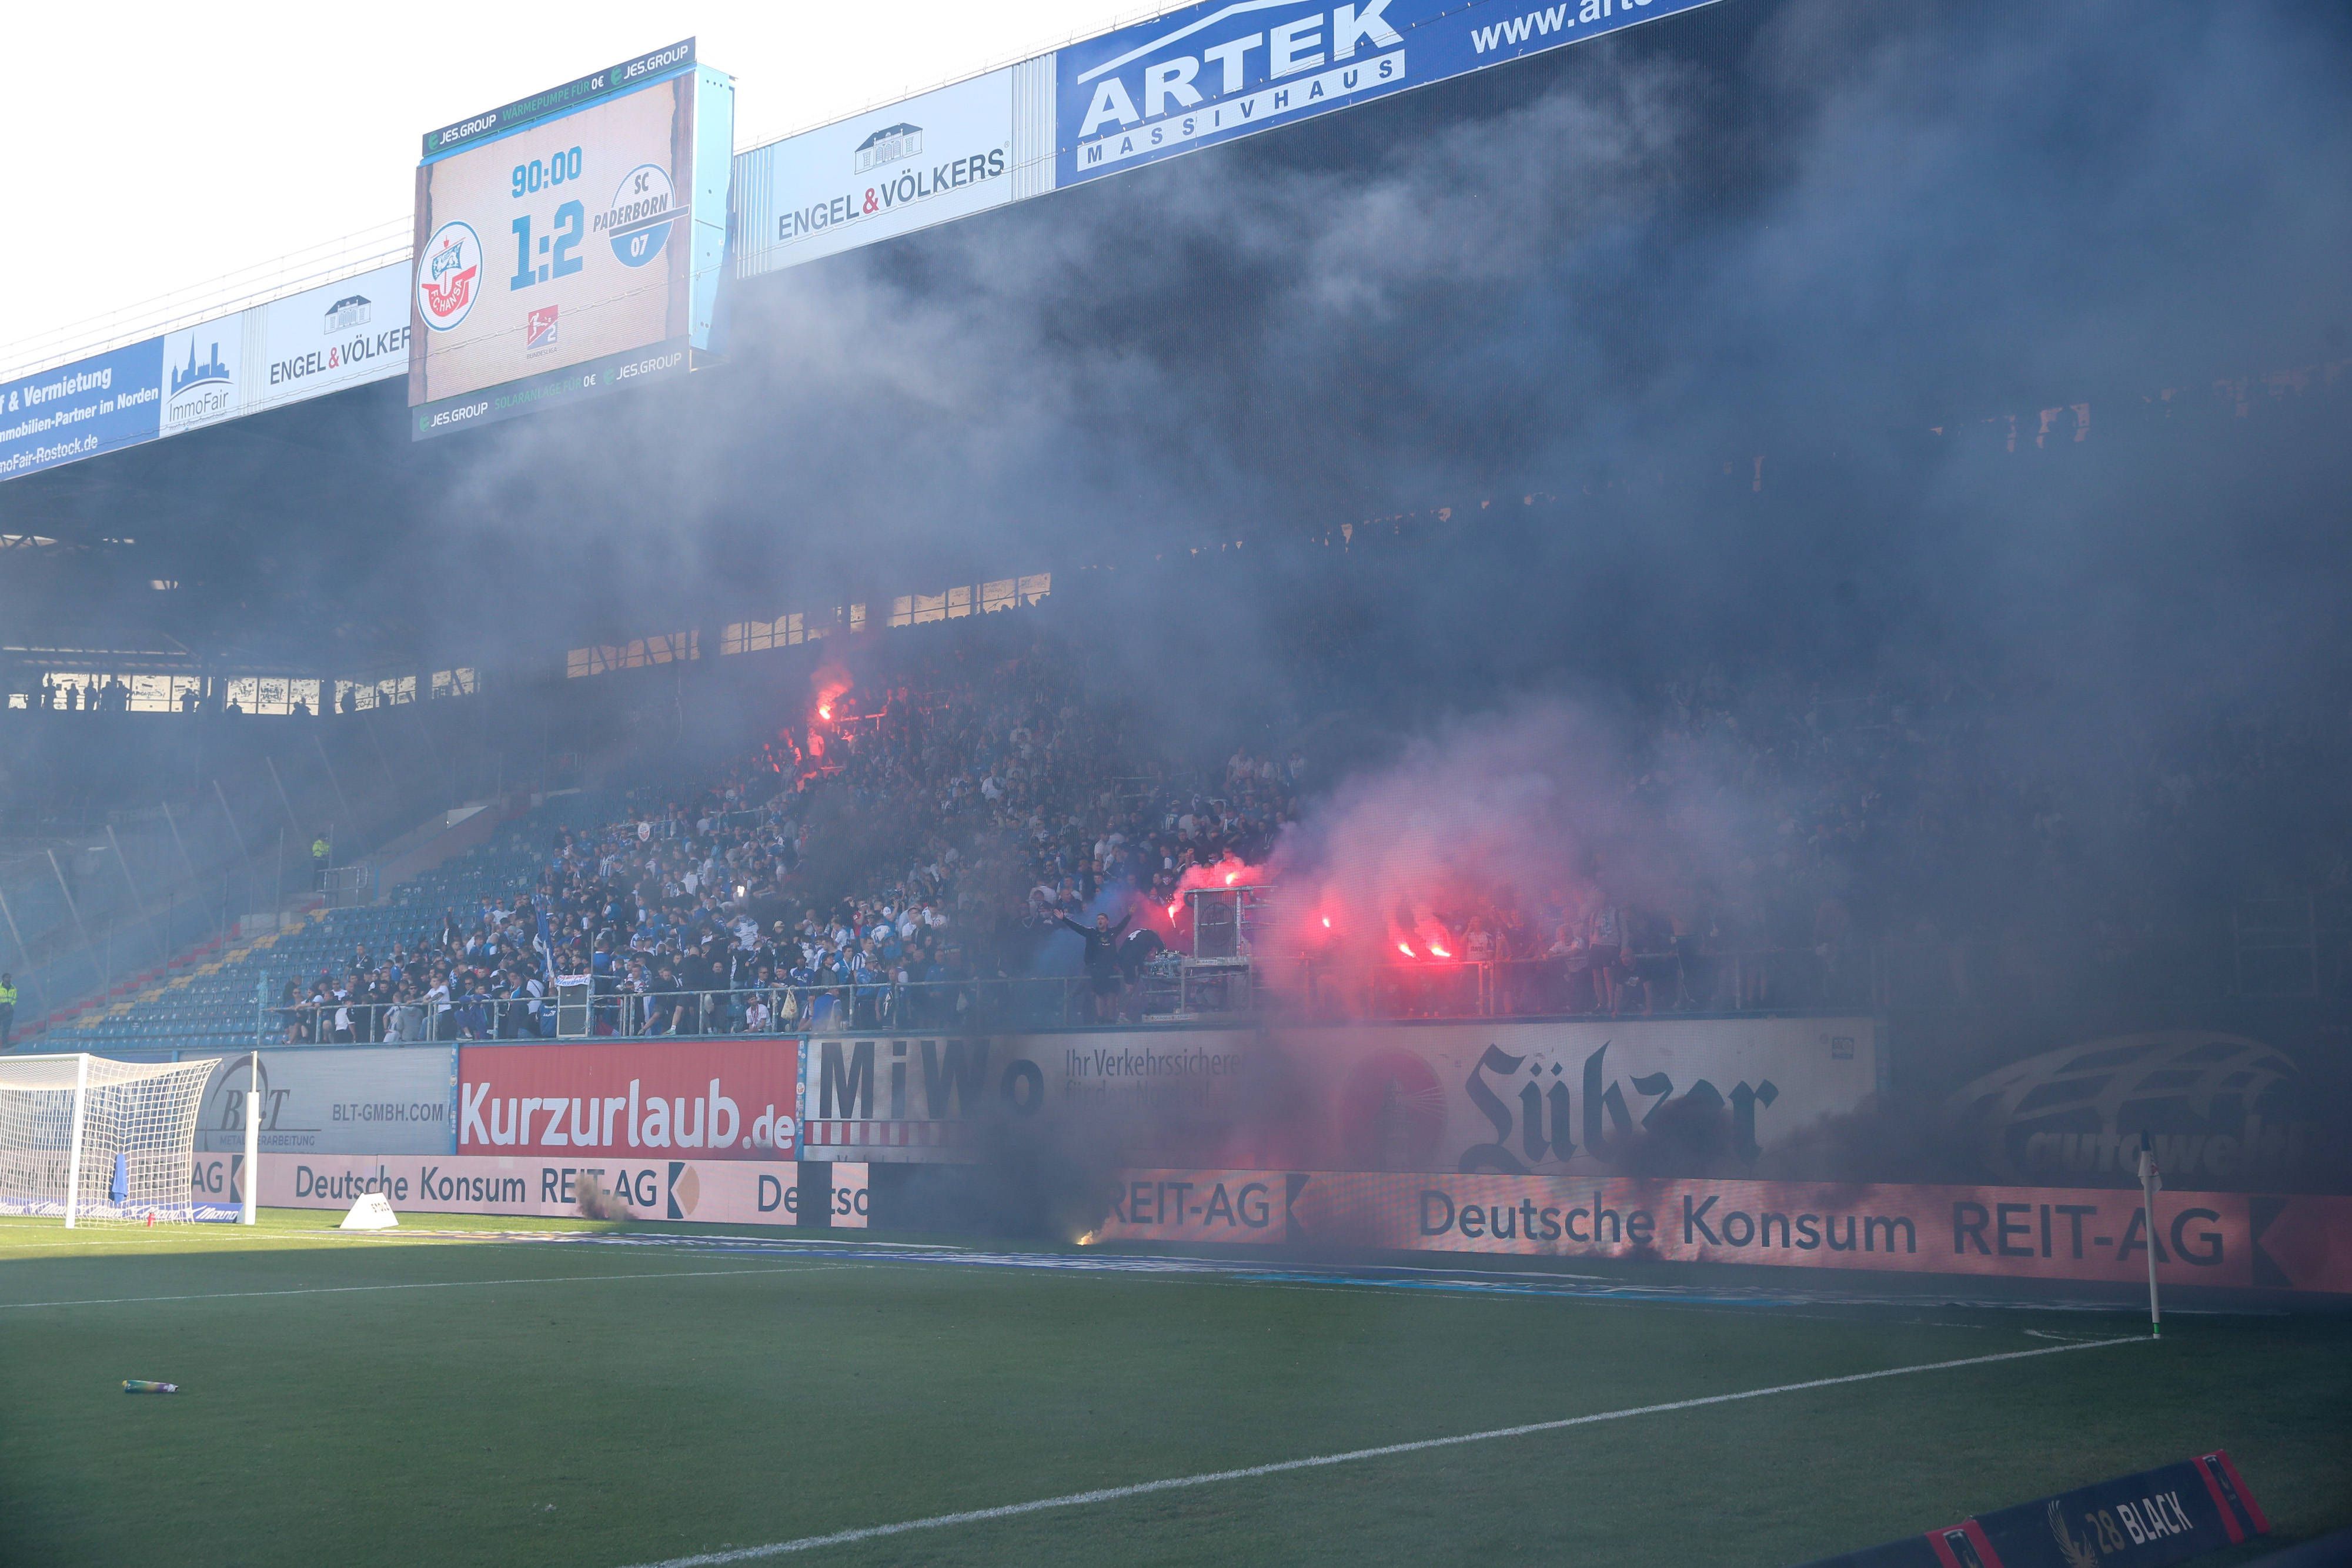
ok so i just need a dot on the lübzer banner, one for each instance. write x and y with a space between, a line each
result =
727 1099
1512 1097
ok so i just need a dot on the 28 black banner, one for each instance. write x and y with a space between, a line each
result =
2166 1515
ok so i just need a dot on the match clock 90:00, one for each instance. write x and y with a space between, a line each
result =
550 254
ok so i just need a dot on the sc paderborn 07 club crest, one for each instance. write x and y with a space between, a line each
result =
638 222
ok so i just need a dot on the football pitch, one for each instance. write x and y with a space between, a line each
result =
507 1392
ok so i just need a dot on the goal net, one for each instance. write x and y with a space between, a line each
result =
97 1141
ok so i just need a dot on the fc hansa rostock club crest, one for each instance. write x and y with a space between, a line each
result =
448 276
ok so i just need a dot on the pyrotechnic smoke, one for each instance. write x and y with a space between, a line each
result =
1541 807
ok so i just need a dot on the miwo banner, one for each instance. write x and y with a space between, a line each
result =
1548 1097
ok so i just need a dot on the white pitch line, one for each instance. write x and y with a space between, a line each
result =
427 1285
1250 1472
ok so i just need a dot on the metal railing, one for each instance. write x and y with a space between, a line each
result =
1754 980
617 1013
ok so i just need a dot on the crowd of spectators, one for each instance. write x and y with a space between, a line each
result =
957 809
907 856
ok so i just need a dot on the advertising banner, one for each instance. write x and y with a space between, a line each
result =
338 334
322 340
203 381
721 1192
1217 70
101 403
326 339
2169 1514
1559 1097
371 1100
2019 1233
939 155
641 1100
2221 1109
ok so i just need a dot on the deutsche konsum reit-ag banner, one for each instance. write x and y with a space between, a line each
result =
1226 67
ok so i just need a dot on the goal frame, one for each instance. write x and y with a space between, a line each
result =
124 1129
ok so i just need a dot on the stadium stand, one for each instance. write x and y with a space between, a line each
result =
908 838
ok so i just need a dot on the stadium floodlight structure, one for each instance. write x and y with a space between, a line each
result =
100 1142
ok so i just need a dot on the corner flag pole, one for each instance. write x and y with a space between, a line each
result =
253 1141
2151 1182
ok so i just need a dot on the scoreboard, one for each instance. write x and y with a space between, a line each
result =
570 242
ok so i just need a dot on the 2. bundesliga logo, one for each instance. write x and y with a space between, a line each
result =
445 283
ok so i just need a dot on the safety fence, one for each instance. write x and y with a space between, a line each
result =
1752 981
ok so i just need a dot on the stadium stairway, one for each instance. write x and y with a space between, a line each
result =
215 1004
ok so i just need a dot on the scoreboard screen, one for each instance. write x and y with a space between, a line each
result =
558 249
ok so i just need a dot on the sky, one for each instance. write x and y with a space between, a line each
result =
218 138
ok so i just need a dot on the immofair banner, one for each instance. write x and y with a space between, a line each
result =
338 334
713 1099
97 404
2248 1241
1558 1097
715 1192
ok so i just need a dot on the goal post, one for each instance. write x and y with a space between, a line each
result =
98 1142
248 1210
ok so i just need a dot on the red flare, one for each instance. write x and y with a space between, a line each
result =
1406 949
1437 952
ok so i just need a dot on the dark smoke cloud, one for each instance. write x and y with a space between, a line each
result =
1737 296
1829 240
1812 231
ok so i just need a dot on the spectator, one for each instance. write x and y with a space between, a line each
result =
1102 962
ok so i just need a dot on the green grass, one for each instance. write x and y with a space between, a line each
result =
598 1405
